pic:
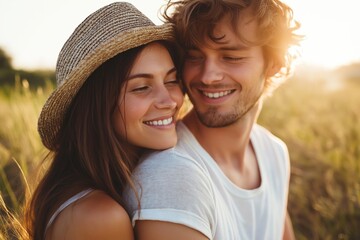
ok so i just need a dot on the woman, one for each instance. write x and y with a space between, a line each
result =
117 95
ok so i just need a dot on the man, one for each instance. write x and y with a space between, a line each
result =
227 178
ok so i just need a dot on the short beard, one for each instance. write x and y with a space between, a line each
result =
212 119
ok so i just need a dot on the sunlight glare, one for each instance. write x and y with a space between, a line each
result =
331 35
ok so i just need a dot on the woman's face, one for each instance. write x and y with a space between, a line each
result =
150 100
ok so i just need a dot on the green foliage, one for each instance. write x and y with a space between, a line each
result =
5 60
9 77
319 121
36 79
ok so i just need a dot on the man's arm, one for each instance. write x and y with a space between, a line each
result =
288 229
159 230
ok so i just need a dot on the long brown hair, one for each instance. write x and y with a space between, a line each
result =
89 154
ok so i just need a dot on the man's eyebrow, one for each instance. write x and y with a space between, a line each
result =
235 47
149 75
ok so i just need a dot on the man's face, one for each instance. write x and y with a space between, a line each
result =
225 80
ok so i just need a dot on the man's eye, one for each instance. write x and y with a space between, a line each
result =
233 59
193 58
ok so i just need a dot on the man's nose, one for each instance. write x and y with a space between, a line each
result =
211 72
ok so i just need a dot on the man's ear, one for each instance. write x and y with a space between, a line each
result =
273 68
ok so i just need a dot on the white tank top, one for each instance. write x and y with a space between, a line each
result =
66 204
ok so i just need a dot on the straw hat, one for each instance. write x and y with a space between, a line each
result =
105 33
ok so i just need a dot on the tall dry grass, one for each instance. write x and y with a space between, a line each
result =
319 123
20 149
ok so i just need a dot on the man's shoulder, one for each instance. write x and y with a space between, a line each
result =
181 153
169 160
168 172
262 134
166 155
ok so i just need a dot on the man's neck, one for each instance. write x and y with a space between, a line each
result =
230 147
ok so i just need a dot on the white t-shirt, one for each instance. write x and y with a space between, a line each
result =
184 185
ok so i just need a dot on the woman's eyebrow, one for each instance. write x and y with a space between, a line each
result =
149 75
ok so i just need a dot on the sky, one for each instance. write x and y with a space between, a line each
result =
32 32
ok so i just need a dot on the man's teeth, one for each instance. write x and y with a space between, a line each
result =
163 122
217 94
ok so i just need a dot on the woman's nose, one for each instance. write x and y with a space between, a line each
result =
163 99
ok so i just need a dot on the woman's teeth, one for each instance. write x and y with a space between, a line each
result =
163 122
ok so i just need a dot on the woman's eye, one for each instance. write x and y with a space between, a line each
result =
140 89
172 82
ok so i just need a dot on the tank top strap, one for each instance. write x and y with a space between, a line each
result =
66 204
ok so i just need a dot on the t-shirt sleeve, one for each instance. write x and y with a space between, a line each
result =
282 154
281 169
276 162
173 188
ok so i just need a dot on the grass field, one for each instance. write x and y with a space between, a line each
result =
319 121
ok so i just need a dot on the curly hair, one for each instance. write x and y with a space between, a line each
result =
195 20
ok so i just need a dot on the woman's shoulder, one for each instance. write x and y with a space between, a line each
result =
95 216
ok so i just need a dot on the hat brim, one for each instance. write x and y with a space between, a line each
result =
52 115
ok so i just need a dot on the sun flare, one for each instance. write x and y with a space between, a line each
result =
331 29
331 35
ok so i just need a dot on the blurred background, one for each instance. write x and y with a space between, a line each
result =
316 112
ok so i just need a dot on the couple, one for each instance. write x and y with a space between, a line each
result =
121 83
